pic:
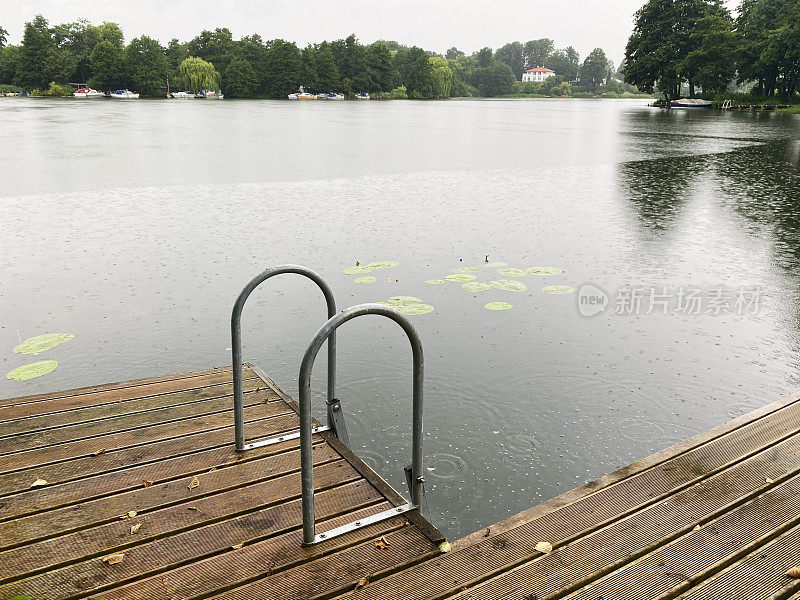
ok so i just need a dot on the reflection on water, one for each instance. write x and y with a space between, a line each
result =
140 248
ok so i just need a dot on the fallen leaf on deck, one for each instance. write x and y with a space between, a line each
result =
794 573
128 515
768 480
361 583
237 546
114 559
488 531
381 543
192 508
135 528
544 547
194 483
697 528
38 483
444 546
146 482
99 452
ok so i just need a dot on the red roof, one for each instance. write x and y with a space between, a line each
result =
540 70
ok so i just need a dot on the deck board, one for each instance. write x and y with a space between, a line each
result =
716 516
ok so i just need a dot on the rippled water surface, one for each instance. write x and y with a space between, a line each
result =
134 226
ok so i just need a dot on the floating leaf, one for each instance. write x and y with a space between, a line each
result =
496 431
413 308
135 528
460 277
544 547
40 343
494 265
383 264
558 289
38 483
444 546
512 272
366 280
32 370
794 573
544 271
114 559
431 468
509 285
469 269
435 281
195 482
404 300
358 270
381 543
476 286
498 306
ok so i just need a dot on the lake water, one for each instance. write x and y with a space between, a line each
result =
135 225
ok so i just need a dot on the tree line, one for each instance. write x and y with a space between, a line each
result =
700 44
251 67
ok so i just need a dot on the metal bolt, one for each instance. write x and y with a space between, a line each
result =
336 407
321 535
399 509
358 522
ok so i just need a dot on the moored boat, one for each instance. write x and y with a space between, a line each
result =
690 103
87 92
209 95
362 96
125 94
180 95
302 94
330 96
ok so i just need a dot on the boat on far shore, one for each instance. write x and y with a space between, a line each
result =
362 96
125 94
690 103
302 94
330 96
180 95
87 92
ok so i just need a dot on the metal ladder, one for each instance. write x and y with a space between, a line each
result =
335 420
413 475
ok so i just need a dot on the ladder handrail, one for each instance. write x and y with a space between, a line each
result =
236 340
306 458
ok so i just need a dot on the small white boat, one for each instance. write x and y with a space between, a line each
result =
302 94
124 94
213 95
181 95
330 96
362 96
690 103
86 92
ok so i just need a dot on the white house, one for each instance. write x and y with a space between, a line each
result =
537 74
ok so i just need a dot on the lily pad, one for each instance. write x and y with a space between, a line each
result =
558 289
404 300
413 308
383 264
359 270
32 370
476 286
512 272
494 265
460 277
545 271
509 285
498 306
469 269
40 343
435 281
365 280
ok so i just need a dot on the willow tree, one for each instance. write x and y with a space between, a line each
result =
197 75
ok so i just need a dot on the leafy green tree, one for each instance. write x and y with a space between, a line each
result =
197 74
491 77
176 52
146 64
60 65
213 46
378 64
325 69
34 67
241 80
79 38
3 37
512 54
462 68
107 62
564 62
252 49
441 77
453 53
711 63
9 60
594 69
536 52
283 66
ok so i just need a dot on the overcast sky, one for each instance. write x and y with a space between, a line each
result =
433 24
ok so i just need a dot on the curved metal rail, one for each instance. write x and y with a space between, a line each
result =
335 418
306 459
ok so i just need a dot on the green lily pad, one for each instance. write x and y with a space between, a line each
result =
365 280
359 270
413 308
494 265
404 300
32 370
509 285
40 343
498 306
460 277
544 271
558 289
512 272
469 269
476 286
383 264
435 281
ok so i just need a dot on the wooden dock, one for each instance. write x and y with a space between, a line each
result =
134 491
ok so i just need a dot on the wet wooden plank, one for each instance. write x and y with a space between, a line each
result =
112 392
